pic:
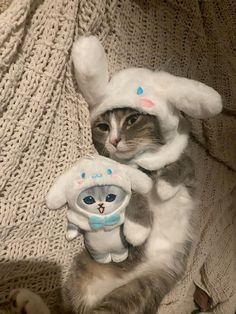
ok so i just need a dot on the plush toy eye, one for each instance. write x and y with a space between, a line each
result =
110 198
89 200
132 119
103 127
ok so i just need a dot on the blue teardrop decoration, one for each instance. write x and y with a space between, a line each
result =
109 171
139 91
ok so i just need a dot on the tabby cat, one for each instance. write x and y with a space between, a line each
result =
152 135
138 284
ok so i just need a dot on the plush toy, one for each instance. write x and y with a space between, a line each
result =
98 190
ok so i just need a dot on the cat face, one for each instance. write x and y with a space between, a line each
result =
123 133
101 199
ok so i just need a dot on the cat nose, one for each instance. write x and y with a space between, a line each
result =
115 141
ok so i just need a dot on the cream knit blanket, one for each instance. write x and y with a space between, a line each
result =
44 128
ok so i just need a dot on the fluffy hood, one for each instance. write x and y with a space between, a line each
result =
94 171
157 93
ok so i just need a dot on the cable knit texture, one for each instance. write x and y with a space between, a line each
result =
44 128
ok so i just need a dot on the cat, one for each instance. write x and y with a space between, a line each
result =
138 284
153 138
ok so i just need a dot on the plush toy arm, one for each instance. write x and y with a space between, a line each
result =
56 196
140 182
72 231
138 220
91 69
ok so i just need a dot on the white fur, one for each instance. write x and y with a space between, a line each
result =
113 135
135 234
100 286
171 227
165 190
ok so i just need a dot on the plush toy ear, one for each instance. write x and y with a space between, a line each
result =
140 182
192 97
91 69
56 196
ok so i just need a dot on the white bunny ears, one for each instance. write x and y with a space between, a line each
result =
157 93
91 171
91 69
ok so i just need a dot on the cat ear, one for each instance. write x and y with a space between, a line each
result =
192 97
140 182
56 196
91 70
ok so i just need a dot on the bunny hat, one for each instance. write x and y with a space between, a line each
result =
156 93
95 171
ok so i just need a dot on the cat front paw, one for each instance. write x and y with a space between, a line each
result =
24 301
165 190
134 233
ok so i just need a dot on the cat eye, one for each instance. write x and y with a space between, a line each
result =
89 200
110 198
104 127
132 119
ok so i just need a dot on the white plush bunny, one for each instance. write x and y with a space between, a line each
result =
98 190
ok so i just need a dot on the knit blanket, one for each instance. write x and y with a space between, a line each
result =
44 128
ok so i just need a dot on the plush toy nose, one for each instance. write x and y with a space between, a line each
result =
101 208
115 141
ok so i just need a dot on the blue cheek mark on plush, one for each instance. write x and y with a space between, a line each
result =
82 175
139 91
109 172
97 223
97 176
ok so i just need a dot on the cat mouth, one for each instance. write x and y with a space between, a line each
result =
101 209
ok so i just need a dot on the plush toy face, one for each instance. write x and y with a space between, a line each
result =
101 200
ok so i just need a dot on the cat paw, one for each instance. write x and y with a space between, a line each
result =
24 301
134 233
165 190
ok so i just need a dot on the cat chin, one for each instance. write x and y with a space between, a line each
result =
122 155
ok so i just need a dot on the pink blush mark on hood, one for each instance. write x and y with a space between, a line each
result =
115 175
79 182
146 103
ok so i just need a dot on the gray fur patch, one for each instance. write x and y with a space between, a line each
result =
138 210
180 172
